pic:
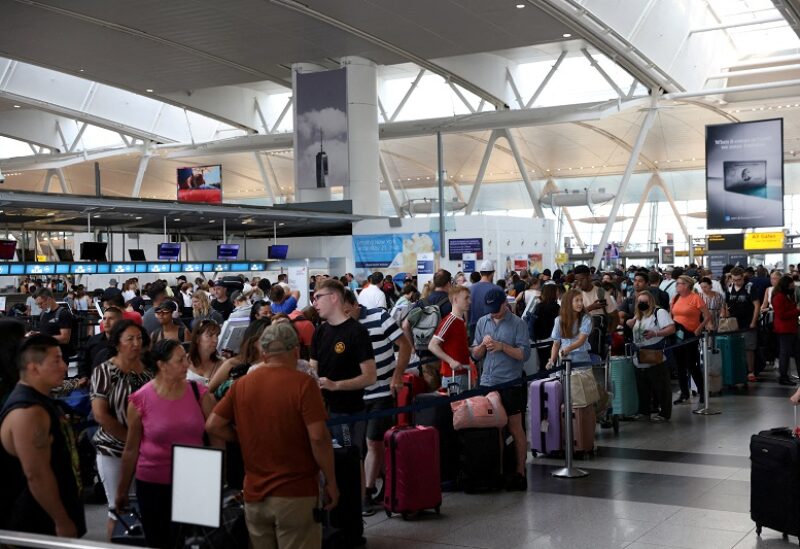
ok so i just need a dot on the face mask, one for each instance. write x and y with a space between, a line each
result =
642 306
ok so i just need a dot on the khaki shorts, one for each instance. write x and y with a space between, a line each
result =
750 340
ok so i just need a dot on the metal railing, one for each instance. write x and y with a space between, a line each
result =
24 539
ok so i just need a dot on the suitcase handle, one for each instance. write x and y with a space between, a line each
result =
130 529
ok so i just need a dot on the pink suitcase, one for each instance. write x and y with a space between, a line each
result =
413 479
545 397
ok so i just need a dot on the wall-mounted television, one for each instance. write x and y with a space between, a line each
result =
93 251
65 255
26 255
169 251
136 255
227 252
7 249
200 184
278 251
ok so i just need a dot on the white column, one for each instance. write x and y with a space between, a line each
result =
362 125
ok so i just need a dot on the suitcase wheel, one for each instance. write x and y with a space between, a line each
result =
404 515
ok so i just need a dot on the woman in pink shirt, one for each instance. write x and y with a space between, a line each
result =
168 410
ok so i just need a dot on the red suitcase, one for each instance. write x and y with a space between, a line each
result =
413 480
412 386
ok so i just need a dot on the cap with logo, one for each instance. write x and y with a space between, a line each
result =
167 305
495 299
486 266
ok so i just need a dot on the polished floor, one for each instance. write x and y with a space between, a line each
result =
682 484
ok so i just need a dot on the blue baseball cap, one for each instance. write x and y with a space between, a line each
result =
495 299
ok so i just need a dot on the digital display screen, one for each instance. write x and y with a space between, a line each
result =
17 269
7 249
83 268
227 251
192 267
240 266
169 251
3 269
278 251
40 268
141 268
122 268
176 268
221 267
103 268
158 268
200 184
62 268
256 266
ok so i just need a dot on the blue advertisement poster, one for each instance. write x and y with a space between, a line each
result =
393 253
744 174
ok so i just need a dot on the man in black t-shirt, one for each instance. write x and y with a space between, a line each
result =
56 321
222 304
341 352
39 469
744 304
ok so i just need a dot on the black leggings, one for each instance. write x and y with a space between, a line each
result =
787 348
687 360
155 506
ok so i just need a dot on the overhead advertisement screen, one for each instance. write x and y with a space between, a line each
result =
744 174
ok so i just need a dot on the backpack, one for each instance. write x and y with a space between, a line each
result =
423 320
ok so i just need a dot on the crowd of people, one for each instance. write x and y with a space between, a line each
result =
156 375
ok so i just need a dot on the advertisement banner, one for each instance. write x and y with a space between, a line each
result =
392 253
717 262
667 254
425 267
744 174
536 262
320 130
520 262
457 247
469 262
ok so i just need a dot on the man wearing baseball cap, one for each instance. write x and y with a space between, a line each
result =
478 291
501 342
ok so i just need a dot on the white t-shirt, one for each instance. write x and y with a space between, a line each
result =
127 295
591 296
372 297
650 323
669 287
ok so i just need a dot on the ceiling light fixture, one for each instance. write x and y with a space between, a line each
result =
177 219
520 6
16 106
149 90
566 35
138 217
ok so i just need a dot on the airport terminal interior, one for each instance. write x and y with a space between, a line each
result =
291 141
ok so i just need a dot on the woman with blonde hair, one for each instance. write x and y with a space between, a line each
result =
691 316
650 326
201 309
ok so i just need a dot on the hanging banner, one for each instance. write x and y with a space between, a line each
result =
667 254
425 268
744 174
469 262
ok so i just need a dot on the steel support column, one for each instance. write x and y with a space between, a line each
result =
512 143
473 196
137 183
647 123
440 181
264 176
387 178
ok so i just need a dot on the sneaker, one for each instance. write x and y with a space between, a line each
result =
368 508
681 400
786 381
655 418
752 378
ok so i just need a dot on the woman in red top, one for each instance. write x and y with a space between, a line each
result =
691 316
785 325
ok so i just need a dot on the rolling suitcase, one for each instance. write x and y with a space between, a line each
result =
441 417
412 386
625 397
734 365
412 470
584 422
545 397
775 481
128 528
714 371
346 527
481 461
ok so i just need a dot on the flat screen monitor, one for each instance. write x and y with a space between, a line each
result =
278 251
169 251
7 249
227 252
200 184
93 251
137 255
26 255
65 255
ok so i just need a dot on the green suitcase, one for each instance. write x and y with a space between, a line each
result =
734 364
625 401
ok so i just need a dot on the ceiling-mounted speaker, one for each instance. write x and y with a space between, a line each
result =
395 222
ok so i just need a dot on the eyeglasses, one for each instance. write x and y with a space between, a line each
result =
319 296
164 312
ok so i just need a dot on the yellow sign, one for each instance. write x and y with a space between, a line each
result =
562 259
763 241
41 258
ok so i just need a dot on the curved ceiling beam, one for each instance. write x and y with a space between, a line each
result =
621 142
397 50
615 46
506 150
708 106
152 38
57 133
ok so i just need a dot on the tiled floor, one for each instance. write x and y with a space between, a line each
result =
682 484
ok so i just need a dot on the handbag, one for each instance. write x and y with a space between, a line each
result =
651 356
584 388
729 324
479 412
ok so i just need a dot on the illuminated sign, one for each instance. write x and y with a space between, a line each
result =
763 241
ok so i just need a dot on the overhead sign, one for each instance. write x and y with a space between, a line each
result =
763 241
457 247
725 242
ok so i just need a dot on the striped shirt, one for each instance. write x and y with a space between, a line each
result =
383 331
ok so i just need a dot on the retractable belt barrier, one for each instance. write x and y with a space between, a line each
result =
478 391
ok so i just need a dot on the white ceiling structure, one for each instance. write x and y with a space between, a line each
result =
145 87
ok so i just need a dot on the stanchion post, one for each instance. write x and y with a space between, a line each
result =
568 471
705 410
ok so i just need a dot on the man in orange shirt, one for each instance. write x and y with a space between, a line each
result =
280 423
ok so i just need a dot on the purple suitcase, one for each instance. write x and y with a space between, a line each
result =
413 480
545 398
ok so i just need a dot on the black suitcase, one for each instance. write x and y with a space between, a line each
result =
346 527
775 481
440 417
481 461
128 527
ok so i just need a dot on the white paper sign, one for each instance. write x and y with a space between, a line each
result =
196 485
